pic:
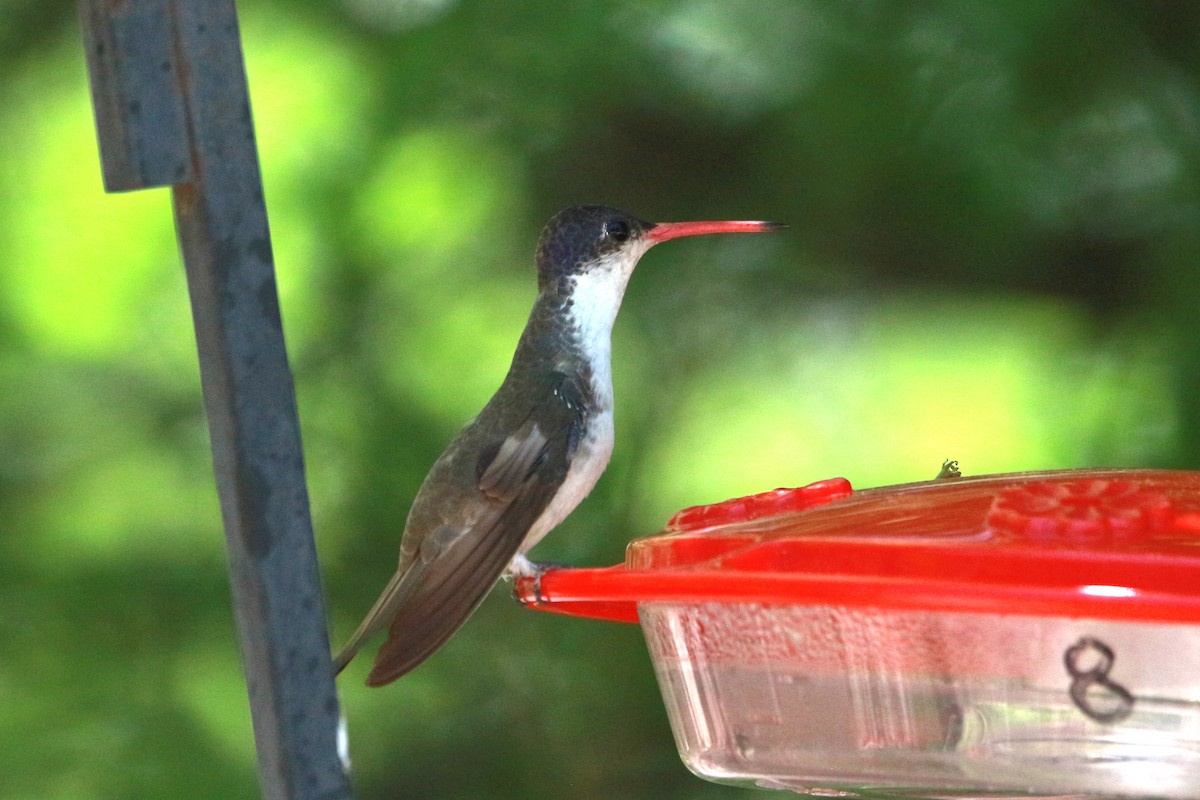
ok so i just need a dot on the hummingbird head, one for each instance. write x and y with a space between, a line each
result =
604 244
589 240
585 256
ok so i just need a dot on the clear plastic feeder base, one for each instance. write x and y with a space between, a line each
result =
928 704
1025 635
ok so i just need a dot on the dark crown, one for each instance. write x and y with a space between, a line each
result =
579 236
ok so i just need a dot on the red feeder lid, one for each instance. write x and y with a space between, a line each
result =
1106 544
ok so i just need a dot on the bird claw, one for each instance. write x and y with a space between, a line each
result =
521 568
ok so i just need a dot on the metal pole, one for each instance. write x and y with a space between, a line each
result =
172 108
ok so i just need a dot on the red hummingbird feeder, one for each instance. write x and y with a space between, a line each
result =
1031 634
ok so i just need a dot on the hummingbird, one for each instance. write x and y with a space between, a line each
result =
535 450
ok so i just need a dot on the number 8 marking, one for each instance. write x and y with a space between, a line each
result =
1092 691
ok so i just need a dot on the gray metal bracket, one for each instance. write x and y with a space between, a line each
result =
172 109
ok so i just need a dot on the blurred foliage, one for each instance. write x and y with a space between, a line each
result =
995 228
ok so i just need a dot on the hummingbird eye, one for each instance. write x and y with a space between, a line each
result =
617 230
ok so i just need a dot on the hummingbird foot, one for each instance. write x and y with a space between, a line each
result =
521 568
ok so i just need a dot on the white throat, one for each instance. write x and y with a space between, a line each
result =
596 296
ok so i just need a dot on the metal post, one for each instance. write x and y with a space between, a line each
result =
172 108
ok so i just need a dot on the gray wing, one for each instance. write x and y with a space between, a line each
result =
455 567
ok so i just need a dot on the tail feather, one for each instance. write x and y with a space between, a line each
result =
392 598
438 604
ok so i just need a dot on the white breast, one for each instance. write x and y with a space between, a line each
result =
590 460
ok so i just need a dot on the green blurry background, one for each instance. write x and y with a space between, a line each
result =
995 223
